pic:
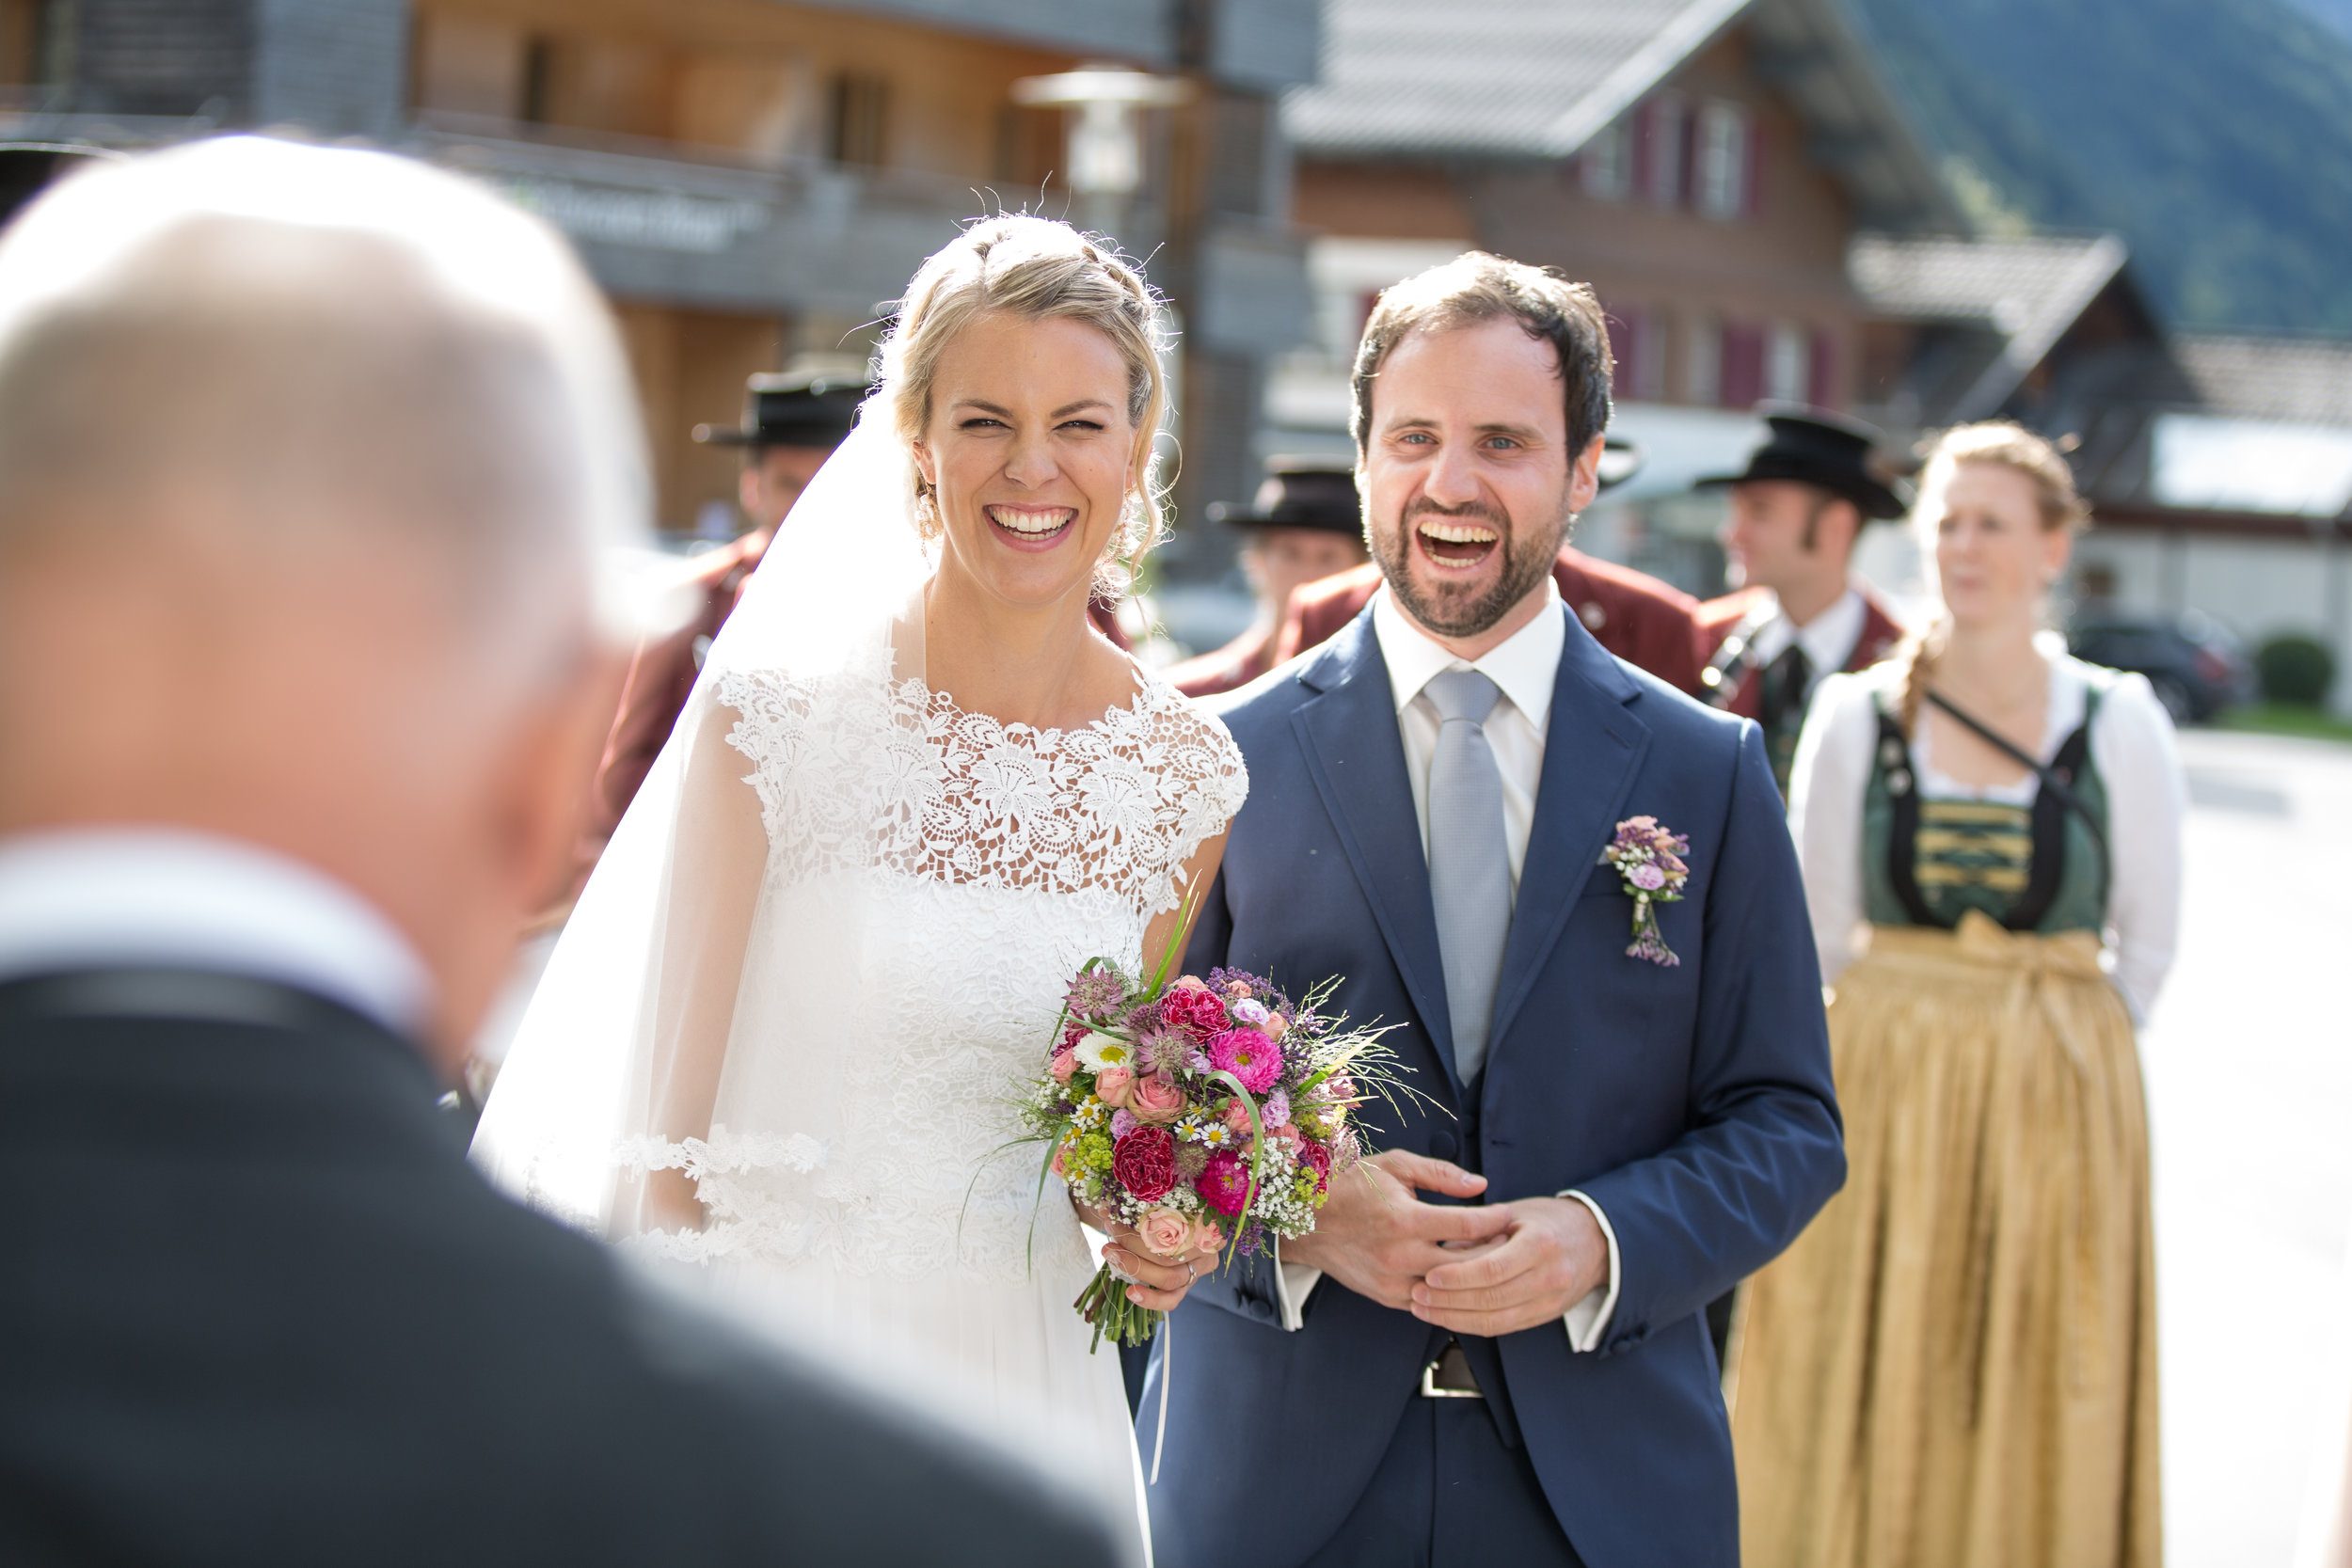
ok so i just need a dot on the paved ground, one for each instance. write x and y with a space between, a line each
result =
2250 1083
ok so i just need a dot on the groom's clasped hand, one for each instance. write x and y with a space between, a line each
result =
1475 1269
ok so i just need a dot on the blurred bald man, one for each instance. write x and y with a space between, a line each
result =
306 459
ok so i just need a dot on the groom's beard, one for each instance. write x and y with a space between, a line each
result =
1452 609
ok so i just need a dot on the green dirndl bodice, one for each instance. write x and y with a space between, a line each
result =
2037 867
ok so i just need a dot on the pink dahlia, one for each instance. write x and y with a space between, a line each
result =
1224 1184
1249 1057
1197 1013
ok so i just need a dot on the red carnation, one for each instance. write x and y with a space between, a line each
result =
1316 1158
1145 1163
1197 1013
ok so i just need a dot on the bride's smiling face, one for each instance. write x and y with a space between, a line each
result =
1030 453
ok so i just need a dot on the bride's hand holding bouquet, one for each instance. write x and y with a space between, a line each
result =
1195 1121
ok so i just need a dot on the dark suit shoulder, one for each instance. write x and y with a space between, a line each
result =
350 1348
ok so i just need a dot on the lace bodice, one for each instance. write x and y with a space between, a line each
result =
1117 806
1004 857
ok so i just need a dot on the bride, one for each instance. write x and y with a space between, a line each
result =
911 793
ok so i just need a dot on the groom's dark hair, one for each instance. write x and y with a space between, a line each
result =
1476 287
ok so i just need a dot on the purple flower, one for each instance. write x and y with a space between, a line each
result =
1276 1109
1123 1122
1197 1061
1248 1011
1647 876
1094 994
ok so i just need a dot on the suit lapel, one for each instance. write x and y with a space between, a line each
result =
1590 752
1356 759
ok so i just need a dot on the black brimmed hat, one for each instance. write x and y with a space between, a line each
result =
1320 492
1812 446
797 409
1299 492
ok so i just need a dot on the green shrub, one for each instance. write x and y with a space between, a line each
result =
2297 670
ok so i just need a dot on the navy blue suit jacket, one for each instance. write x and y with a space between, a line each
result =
1692 1103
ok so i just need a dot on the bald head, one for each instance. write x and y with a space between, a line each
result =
308 460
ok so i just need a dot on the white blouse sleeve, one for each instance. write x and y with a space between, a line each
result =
2132 747
1826 787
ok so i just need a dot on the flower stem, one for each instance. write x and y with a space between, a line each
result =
1105 1304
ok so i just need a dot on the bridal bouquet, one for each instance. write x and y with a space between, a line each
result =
1205 1112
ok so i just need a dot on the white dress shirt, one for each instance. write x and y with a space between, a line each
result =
1524 669
2131 745
112 898
1828 640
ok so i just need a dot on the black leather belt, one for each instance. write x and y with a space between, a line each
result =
1449 1376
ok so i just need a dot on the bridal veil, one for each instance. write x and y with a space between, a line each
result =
602 1115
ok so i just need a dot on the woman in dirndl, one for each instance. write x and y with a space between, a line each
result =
1955 1366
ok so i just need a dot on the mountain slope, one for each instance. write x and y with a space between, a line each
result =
2216 138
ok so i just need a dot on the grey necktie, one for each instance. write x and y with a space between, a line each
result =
1469 867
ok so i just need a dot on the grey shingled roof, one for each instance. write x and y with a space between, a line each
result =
2028 291
1488 78
1508 80
2301 380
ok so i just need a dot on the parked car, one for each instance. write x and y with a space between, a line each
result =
2196 667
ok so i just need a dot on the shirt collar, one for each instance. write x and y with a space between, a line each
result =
1525 666
1829 638
119 896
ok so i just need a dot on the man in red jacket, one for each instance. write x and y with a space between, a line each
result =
1634 616
1798 613
791 423
1304 526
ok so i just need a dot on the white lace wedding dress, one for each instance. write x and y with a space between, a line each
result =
932 879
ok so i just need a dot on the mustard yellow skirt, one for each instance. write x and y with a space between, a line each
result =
1955 1366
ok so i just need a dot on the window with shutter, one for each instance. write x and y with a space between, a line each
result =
1660 132
1606 165
1787 363
1720 185
1702 360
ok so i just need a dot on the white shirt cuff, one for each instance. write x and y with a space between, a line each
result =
1292 1284
1588 1319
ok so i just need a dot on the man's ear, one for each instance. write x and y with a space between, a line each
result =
1585 475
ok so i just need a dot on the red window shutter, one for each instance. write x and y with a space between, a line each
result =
1822 377
1743 365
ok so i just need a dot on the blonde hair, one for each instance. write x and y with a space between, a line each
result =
2002 443
1040 270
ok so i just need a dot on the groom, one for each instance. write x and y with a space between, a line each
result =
1491 1350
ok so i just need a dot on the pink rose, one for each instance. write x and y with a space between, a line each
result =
1165 1231
1206 1237
1065 1063
1275 1027
1237 1116
1111 1084
1059 1170
1155 1099
1647 876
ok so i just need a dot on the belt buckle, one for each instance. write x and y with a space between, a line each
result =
1429 1385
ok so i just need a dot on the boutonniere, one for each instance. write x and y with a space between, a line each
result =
1648 860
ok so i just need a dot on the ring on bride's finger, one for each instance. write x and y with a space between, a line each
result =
1192 1273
